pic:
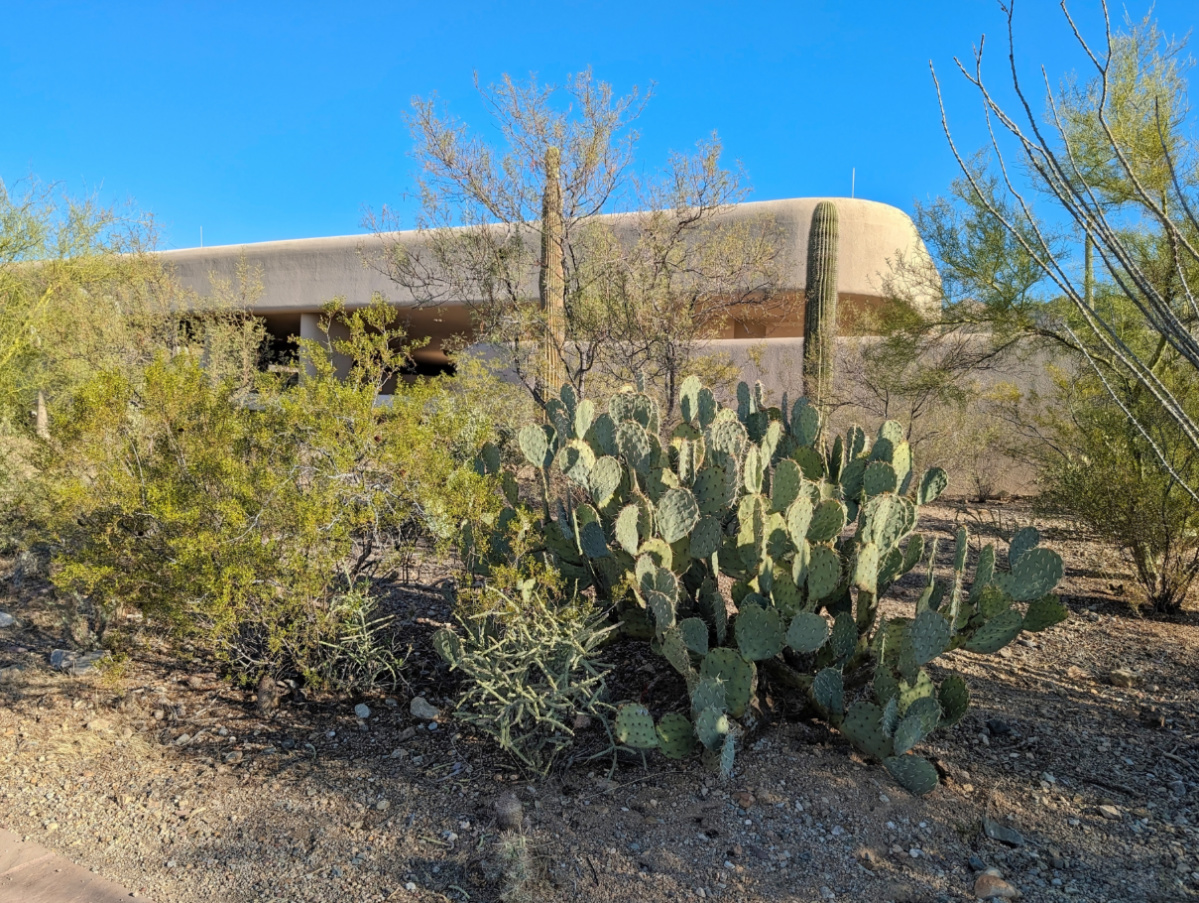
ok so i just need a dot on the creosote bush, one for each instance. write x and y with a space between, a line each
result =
1110 480
748 549
250 523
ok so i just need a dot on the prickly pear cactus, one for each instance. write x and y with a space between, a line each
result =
808 533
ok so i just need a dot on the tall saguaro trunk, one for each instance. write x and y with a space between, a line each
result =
820 313
553 281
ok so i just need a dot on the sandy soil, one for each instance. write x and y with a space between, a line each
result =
173 783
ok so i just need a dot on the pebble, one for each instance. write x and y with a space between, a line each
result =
998 727
232 758
1002 833
420 708
7 620
977 864
362 710
74 663
1124 677
1178 788
992 887
98 724
827 893
1110 812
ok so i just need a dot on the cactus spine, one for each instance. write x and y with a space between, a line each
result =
553 282
820 314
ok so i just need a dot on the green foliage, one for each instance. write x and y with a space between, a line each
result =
531 671
808 539
1110 479
250 524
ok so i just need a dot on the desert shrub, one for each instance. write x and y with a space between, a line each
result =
532 673
750 550
250 522
1100 469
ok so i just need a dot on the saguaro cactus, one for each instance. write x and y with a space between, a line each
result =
553 282
820 314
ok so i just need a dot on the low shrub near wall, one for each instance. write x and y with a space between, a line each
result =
249 523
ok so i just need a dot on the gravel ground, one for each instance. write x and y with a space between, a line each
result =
174 783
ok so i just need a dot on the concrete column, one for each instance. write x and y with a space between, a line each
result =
310 329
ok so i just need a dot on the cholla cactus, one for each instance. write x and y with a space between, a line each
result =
820 312
809 536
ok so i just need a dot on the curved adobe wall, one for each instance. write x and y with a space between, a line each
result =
299 275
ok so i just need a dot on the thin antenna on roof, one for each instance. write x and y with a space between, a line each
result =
853 181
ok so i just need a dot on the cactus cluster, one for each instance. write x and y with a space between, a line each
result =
746 548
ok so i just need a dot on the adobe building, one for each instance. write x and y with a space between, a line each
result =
300 275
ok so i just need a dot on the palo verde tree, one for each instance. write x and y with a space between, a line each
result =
1112 161
568 262
1076 229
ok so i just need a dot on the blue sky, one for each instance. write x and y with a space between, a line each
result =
264 120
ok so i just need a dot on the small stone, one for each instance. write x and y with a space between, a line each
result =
582 722
1076 673
1110 812
410 886
182 739
1153 717
74 663
406 734
868 858
509 814
7 620
827 893
233 757
915 852
420 708
362 710
992 887
195 682
1178 788
998 727
98 724
1124 677
976 863
744 799
1001 832
382 805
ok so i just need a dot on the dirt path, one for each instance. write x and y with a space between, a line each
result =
172 783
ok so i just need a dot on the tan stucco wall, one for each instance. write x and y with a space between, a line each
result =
299 275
